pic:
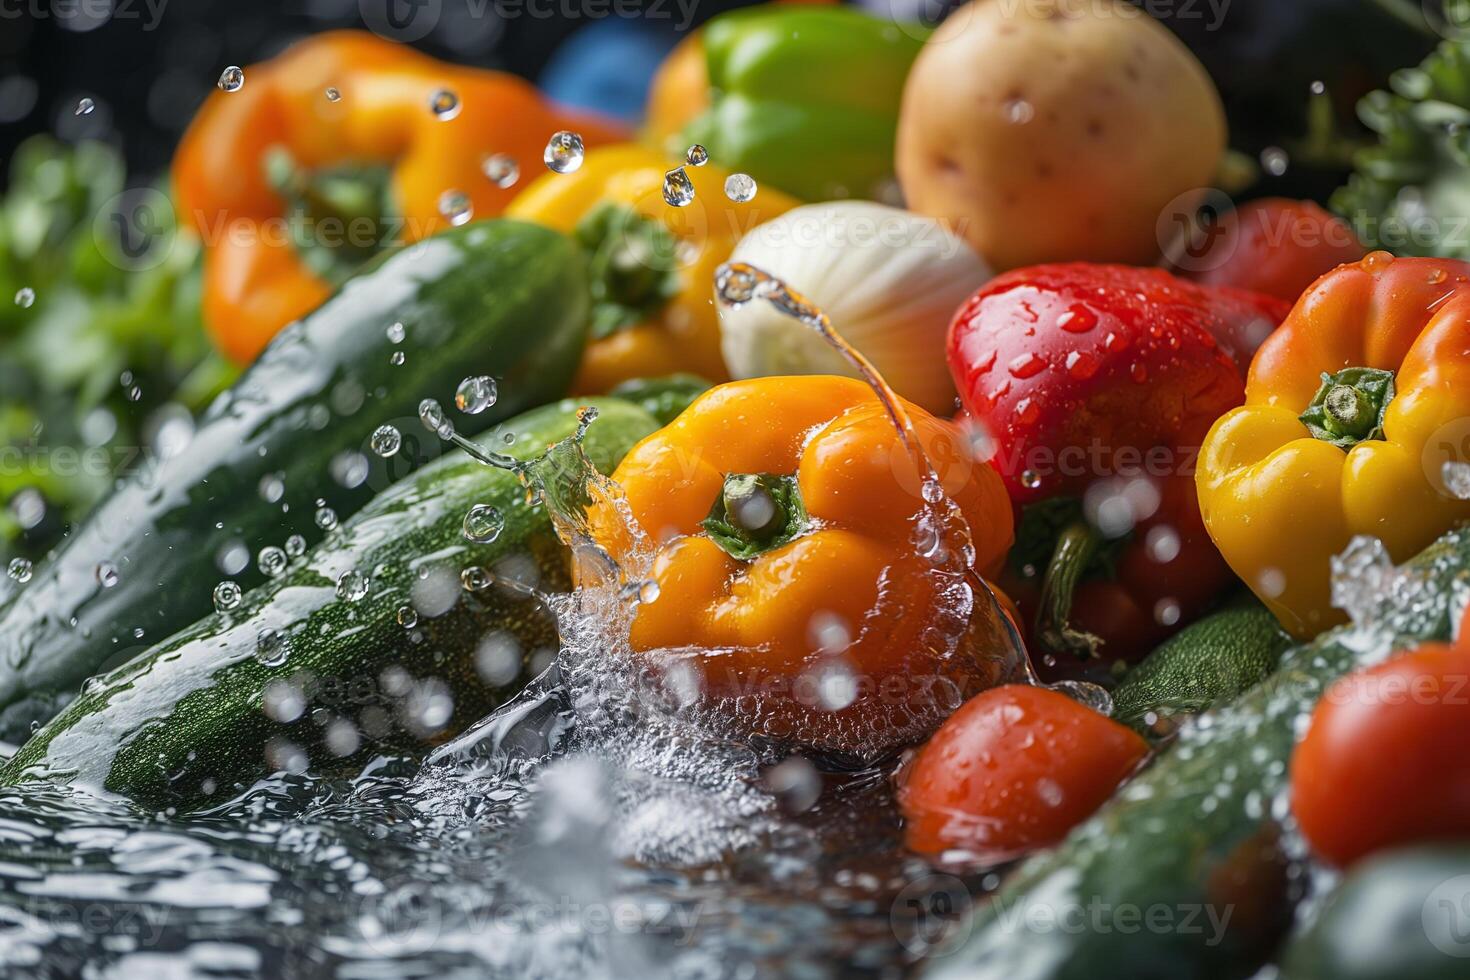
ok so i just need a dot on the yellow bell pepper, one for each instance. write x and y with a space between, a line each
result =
654 264
1356 422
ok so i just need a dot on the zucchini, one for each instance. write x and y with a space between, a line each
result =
502 298
666 396
1182 874
302 674
1207 663
1400 915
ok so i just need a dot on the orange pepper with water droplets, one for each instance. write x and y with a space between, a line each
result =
653 263
1356 422
331 152
783 512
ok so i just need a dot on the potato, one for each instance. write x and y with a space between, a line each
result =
1050 130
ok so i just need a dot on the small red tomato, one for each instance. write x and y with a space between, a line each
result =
1014 769
1274 246
1382 763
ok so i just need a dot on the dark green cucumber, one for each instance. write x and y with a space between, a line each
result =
1181 875
1207 663
1400 915
502 298
666 396
299 674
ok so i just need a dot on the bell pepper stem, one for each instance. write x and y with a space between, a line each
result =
1350 406
635 266
756 513
1075 548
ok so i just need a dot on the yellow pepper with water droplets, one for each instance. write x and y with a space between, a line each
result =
1356 422
653 263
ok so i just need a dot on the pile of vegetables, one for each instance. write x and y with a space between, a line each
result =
1181 461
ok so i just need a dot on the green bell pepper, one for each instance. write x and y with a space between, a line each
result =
806 98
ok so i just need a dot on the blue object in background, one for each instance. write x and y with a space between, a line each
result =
607 67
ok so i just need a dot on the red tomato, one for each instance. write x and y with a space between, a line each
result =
1382 763
1274 246
1015 768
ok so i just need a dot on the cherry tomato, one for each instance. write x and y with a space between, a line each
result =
1274 246
1014 769
1382 763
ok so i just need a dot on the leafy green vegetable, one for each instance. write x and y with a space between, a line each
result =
100 333
1410 194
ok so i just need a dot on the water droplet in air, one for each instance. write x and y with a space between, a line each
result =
501 169
564 152
1030 479
1086 693
740 187
295 546
1162 543
648 592
107 575
475 394
396 333
1318 88
408 618
678 188
25 297
397 358
85 107
19 570
386 440
231 79
349 468
1275 161
431 414
696 156
326 518
444 104
1167 612
455 207
333 95
1019 112
475 579
272 560
272 488
227 595
271 647
795 783
483 524
352 586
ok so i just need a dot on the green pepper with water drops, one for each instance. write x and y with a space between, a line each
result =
806 98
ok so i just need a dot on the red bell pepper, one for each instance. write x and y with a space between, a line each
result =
1096 385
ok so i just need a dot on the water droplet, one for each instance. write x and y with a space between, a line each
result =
284 702
1030 479
564 152
1318 88
85 107
475 394
396 332
828 632
740 187
483 524
501 169
333 95
272 560
696 156
106 573
498 658
1027 365
1166 612
1275 161
231 79
295 546
678 188
271 647
1028 410
408 618
431 414
342 738
25 297
227 595
1271 582
349 468
397 358
1162 543
272 488
352 586
1081 365
19 570
455 207
795 783
475 579
648 592
1077 319
1086 693
444 104
386 440
1019 112
1456 476
326 518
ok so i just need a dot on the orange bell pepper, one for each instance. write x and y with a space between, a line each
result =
652 263
784 511
340 126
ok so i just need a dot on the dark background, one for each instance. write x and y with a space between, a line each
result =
148 75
